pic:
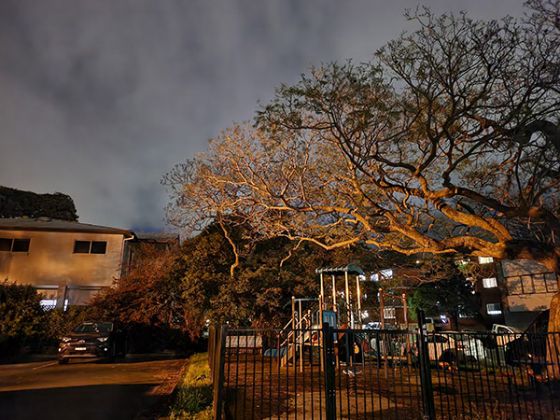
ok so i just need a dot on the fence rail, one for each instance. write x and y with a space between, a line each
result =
342 373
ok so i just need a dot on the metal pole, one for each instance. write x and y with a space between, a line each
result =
405 310
425 374
334 293
329 379
405 314
300 337
359 297
218 374
382 308
293 331
347 297
382 316
322 287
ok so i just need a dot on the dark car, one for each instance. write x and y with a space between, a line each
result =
531 347
91 340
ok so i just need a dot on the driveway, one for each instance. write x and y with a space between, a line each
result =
85 390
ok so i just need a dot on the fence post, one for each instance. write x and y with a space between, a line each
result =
330 360
218 372
211 346
425 374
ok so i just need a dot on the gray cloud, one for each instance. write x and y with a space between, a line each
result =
100 98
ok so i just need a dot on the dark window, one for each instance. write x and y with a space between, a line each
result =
90 247
5 244
98 247
81 247
21 245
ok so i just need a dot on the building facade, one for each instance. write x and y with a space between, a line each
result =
67 262
514 292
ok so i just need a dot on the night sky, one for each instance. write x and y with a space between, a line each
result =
99 98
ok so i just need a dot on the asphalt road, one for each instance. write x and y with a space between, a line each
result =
84 390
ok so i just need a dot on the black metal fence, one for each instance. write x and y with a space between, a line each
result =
341 373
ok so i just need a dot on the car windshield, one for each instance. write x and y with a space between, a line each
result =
94 327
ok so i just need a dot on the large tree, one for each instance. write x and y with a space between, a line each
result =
448 141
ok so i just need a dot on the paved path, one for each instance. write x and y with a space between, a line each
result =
84 390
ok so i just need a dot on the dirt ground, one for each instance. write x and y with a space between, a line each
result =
260 388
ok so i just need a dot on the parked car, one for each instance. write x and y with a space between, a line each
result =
530 348
91 340
504 334
454 348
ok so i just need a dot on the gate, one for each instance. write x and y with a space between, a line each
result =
333 373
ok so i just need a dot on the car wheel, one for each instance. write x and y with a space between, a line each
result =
63 361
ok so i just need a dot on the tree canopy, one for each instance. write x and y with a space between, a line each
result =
447 141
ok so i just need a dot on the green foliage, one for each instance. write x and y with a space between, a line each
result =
450 296
269 274
193 399
17 203
21 317
24 323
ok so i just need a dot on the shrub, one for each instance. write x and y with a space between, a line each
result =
22 320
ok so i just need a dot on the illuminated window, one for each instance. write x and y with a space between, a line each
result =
14 245
389 313
47 304
490 282
485 260
494 309
90 247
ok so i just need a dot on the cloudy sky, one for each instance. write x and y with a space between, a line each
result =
99 98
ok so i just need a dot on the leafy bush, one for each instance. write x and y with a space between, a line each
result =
21 317
24 324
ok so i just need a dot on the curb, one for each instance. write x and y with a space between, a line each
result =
165 392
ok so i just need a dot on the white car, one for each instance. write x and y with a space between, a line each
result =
454 347
505 334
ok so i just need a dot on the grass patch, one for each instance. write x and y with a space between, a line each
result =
193 399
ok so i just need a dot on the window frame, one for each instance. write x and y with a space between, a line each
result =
494 311
15 242
90 247
494 282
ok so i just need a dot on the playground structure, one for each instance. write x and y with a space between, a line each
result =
338 309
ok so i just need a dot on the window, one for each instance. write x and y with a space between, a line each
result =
551 282
81 247
514 285
21 245
490 282
494 309
532 284
98 247
90 247
5 244
539 283
47 304
485 260
389 313
14 245
527 284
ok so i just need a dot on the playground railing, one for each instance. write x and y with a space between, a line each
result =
352 373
